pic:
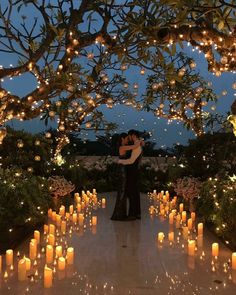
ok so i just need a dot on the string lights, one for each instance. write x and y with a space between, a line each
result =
77 72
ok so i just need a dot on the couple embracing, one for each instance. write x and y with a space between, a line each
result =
130 153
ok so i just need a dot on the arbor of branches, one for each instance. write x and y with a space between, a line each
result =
79 52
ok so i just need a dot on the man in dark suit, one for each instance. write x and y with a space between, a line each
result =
132 182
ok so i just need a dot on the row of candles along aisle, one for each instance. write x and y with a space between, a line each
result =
53 249
181 221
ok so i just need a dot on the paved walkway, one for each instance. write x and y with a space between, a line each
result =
124 258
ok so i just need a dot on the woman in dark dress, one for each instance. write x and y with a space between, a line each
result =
120 210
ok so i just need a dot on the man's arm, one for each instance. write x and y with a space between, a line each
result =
135 154
130 147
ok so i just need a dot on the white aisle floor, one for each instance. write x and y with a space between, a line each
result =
124 258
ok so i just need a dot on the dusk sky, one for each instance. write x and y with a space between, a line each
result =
163 134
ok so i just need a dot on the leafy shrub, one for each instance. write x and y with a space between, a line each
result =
24 201
207 156
217 205
19 149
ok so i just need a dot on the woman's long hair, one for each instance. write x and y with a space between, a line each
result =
122 135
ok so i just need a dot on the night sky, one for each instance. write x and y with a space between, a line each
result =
163 134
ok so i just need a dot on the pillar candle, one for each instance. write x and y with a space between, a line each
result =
52 229
215 249
22 270
59 251
200 229
234 260
63 227
185 232
191 247
9 257
50 213
94 191
151 210
178 218
87 200
47 277
181 207
160 237
95 200
58 219
171 218
54 215
94 220
78 208
49 254
162 212
62 210
200 241
37 236
103 201
67 215
154 191
81 219
51 240
82 205
45 228
184 215
76 195
70 255
33 249
0 263
28 263
193 216
171 236
61 263
190 223
74 217
71 209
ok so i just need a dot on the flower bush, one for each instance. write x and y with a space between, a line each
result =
188 188
59 186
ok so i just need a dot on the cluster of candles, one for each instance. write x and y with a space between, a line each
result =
167 209
59 224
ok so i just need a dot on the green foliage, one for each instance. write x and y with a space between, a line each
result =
24 201
24 157
103 175
151 179
207 156
22 196
217 205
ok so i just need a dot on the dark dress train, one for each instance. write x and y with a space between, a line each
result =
120 210
132 191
